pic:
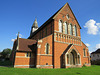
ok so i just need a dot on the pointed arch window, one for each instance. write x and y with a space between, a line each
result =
67 58
71 31
75 30
66 28
84 53
60 26
47 48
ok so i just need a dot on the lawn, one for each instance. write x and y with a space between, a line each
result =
93 70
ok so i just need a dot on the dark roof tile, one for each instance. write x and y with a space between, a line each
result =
27 45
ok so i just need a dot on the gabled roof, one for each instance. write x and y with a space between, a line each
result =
71 11
51 18
96 52
67 49
70 47
27 45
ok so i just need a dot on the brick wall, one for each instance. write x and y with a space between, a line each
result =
57 45
45 60
21 60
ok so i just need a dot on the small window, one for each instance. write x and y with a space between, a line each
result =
67 16
71 29
28 54
84 52
60 26
47 48
66 28
75 29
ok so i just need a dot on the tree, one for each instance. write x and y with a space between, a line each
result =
6 53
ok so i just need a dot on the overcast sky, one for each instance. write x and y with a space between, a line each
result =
19 15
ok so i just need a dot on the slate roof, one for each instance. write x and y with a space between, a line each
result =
27 45
96 52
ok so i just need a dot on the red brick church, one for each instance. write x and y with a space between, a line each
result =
55 44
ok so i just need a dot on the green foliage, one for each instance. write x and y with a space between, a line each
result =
6 63
6 53
93 70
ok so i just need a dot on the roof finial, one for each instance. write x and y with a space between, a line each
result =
18 35
18 41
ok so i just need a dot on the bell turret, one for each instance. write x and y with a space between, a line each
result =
34 26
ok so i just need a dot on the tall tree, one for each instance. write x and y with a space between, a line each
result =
6 53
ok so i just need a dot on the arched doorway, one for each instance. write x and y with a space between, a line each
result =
73 57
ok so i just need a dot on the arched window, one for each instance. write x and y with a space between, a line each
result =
67 16
60 25
84 53
47 48
66 28
67 58
71 31
75 30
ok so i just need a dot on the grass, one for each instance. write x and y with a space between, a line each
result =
93 70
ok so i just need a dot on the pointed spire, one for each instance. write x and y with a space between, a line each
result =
35 24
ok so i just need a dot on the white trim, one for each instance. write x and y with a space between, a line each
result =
23 57
67 43
72 65
68 65
68 34
23 65
38 45
45 54
43 65
40 41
